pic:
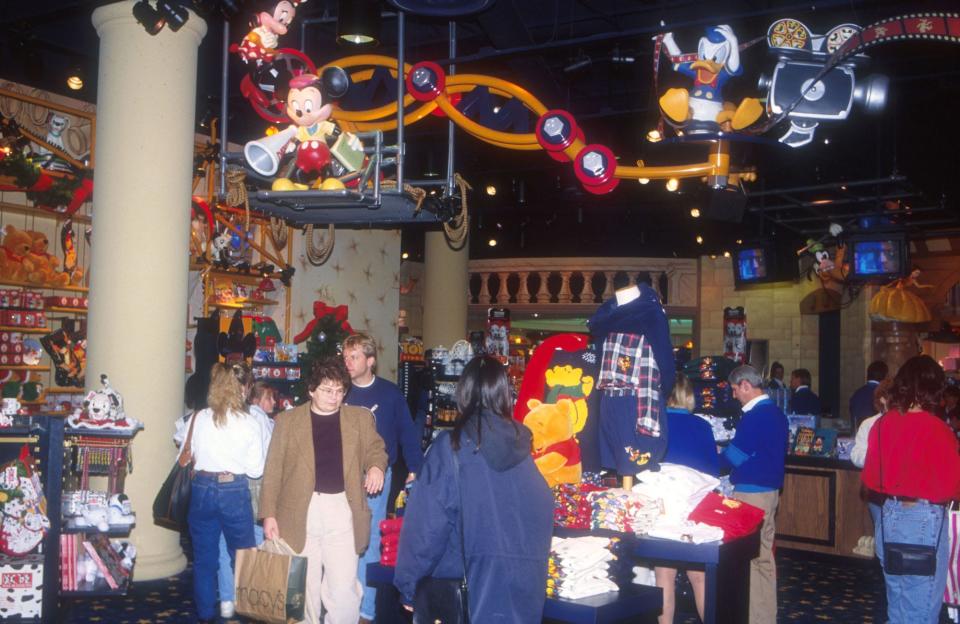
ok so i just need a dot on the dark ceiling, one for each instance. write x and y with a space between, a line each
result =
540 209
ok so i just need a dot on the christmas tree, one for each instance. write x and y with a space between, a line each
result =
324 336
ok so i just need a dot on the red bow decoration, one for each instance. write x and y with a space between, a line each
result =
321 310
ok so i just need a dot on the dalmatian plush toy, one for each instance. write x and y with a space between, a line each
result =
220 249
103 409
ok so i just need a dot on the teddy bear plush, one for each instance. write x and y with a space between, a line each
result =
16 245
556 451
41 265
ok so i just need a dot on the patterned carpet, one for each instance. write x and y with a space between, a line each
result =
811 589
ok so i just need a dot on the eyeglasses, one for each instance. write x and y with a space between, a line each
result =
332 390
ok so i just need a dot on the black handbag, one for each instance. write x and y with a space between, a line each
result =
172 503
444 600
900 559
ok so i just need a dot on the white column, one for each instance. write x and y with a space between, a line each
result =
444 288
138 290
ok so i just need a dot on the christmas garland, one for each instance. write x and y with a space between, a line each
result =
41 188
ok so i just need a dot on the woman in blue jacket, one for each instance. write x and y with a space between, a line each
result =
504 507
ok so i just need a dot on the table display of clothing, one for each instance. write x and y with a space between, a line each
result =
636 376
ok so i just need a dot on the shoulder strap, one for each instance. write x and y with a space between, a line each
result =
186 451
456 478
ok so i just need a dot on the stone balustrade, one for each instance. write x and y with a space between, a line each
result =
576 282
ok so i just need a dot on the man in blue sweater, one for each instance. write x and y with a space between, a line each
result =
756 455
395 426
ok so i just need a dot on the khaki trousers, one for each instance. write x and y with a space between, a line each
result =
331 561
763 569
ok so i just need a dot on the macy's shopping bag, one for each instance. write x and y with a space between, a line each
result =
951 595
270 583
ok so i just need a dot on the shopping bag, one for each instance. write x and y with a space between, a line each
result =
951 595
270 583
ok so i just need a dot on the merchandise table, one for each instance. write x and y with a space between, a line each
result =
726 564
727 568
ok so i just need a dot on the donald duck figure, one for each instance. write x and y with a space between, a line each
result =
716 61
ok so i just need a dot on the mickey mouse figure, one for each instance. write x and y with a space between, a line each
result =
258 45
309 106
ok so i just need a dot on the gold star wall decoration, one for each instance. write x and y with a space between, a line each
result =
353 246
368 273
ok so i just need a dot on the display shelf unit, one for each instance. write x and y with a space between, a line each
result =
24 367
78 446
25 330
243 305
440 404
44 436
66 310
77 217
31 285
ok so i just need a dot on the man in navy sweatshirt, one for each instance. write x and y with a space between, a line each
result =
395 426
756 455
803 400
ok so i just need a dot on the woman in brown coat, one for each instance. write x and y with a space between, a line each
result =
324 458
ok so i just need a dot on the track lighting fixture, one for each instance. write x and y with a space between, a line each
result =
174 13
358 22
148 17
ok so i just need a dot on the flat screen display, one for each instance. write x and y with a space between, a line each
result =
752 264
877 258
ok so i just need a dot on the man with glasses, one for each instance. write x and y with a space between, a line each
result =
324 459
395 426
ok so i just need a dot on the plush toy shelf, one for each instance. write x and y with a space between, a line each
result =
25 330
25 368
243 305
7 282
251 277
66 310
115 530
33 211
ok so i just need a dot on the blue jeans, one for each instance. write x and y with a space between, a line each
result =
378 510
216 508
875 516
225 569
915 599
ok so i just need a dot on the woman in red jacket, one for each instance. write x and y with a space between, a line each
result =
913 461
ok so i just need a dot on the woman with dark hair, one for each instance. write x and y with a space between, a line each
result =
481 479
913 463
324 458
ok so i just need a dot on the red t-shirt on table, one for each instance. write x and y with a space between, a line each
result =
918 454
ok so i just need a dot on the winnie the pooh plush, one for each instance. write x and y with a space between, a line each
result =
16 245
567 382
41 265
556 451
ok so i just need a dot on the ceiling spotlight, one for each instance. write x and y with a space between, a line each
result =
673 184
739 241
492 242
75 79
726 254
148 17
699 239
404 255
175 14
654 135
491 190
695 213
713 256
643 180
358 22
826 141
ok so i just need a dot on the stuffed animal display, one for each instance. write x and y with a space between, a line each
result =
26 258
22 505
103 409
555 449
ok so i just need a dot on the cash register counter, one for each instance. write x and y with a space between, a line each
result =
821 507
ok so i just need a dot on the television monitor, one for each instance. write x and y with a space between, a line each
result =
878 256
